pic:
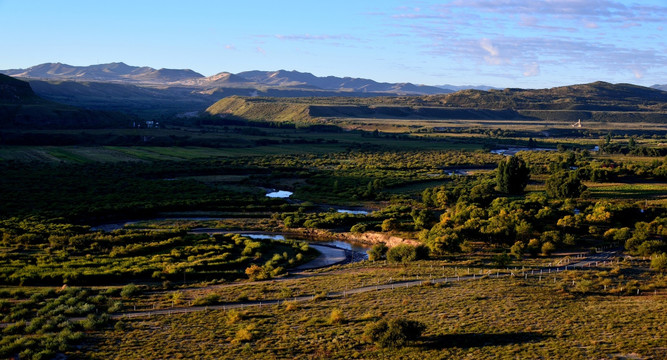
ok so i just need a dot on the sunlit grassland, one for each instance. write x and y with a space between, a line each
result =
400 125
341 278
628 190
417 187
626 158
505 318
330 143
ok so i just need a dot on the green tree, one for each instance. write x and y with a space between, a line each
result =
512 176
534 247
564 185
518 249
659 262
256 272
389 224
632 143
394 333
548 248
406 253
378 251
502 260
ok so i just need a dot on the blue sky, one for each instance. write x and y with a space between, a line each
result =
504 43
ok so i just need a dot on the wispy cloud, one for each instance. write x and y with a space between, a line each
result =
493 56
587 35
309 37
532 69
261 50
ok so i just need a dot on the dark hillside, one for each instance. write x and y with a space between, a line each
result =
21 108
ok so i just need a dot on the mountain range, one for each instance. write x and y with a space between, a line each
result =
281 79
151 93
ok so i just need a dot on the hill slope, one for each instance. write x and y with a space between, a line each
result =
597 96
596 101
20 107
289 110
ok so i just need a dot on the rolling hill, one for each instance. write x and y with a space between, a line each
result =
597 101
597 96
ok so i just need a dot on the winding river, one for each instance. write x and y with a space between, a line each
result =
331 252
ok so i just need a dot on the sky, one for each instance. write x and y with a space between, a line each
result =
501 43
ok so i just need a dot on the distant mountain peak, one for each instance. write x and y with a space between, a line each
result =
115 71
278 79
294 78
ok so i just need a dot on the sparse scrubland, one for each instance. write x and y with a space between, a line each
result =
179 280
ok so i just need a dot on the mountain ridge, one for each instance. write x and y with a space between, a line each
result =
116 71
121 72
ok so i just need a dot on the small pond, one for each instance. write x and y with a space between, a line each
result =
353 212
279 194
513 150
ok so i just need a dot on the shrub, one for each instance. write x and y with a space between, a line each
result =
278 271
234 316
245 334
517 250
405 253
129 290
647 248
359 228
394 333
15 328
502 260
378 251
533 247
208 299
291 306
256 272
336 317
94 322
548 248
389 224
659 262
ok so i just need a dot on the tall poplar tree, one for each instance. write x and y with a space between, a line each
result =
512 176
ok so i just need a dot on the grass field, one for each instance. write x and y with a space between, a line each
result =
504 318
637 191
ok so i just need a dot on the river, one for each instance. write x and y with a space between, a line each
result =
331 252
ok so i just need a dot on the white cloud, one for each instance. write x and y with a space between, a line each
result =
590 25
230 47
261 51
488 46
639 73
310 37
532 69
493 57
